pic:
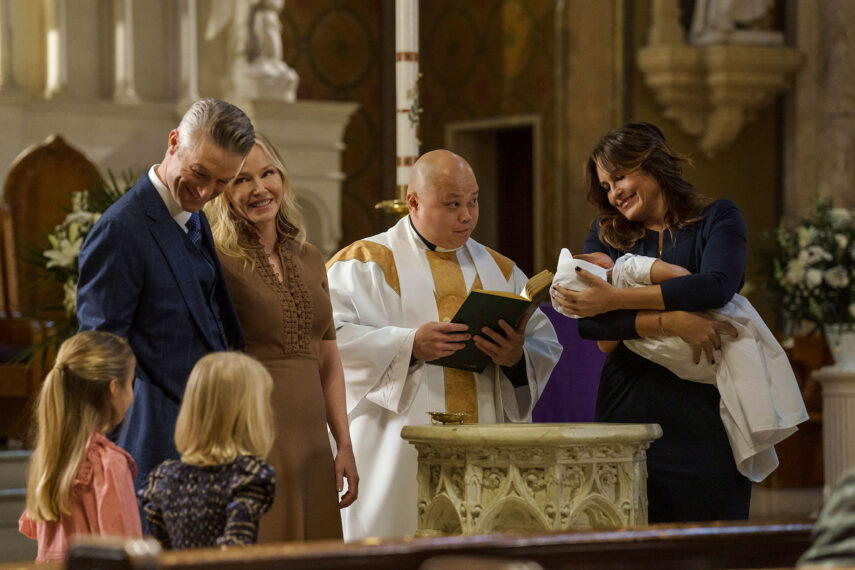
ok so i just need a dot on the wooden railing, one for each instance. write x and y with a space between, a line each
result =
707 546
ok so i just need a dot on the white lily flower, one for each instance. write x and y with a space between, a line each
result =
81 218
837 277
813 277
806 235
79 201
795 272
73 231
65 254
840 217
814 253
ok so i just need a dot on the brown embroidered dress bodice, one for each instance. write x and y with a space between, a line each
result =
284 322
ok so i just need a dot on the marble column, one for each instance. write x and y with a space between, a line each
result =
820 127
56 81
124 90
8 84
838 422
188 90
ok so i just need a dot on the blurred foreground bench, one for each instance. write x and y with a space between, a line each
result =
715 545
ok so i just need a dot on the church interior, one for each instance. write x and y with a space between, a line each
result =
523 89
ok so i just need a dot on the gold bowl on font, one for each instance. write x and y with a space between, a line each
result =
447 417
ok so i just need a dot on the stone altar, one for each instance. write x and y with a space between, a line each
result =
484 478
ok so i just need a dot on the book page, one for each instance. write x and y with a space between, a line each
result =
538 282
500 294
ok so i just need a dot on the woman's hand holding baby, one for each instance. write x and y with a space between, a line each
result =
599 297
700 330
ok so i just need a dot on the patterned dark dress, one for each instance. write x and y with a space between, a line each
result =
834 531
192 506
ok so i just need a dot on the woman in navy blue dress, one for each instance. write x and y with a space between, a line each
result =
647 208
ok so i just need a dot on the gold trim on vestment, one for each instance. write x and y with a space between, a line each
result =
506 265
369 251
461 393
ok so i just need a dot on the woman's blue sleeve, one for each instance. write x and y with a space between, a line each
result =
722 263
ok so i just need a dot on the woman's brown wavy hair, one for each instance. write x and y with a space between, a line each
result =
641 146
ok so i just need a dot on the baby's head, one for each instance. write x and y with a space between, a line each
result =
226 410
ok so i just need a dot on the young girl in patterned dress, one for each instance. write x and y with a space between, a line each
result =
79 481
216 494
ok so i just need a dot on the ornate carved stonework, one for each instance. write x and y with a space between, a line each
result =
483 478
713 90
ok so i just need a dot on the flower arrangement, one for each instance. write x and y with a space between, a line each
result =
67 238
60 261
809 270
66 241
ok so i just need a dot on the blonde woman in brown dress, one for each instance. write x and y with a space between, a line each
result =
279 286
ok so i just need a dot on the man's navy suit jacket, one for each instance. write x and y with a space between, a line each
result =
136 281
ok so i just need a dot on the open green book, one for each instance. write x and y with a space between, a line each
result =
484 309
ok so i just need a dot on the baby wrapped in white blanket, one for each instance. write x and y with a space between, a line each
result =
760 399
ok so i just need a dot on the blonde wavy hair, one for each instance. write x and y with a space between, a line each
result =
224 219
74 402
226 410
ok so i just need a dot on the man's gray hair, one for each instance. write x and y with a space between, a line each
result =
227 126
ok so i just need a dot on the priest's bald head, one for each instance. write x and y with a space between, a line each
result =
443 198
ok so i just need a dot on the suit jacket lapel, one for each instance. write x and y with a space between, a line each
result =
228 314
167 235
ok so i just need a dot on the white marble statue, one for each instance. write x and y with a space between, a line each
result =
733 22
256 69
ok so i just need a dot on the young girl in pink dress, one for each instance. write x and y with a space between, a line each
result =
79 481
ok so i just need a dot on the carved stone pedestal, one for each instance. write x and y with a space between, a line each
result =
838 422
483 478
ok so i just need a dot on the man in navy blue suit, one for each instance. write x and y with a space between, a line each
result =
149 273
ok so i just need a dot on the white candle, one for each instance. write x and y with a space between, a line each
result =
406 90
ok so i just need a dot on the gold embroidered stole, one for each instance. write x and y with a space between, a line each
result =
461 394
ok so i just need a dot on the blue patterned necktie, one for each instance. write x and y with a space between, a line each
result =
194 229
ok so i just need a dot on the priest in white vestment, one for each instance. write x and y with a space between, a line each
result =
392 296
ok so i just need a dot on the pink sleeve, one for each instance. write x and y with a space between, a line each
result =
26 526
115 499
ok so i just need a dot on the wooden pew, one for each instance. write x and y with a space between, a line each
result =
677 546
19 381
37 196
659 546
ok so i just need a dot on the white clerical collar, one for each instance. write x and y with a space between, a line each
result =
424 241
178 214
